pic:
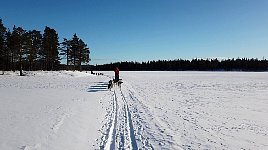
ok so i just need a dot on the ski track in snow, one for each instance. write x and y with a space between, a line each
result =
120 131
130 125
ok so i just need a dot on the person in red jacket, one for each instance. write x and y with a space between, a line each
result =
116 74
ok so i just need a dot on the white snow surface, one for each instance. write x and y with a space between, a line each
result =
152 110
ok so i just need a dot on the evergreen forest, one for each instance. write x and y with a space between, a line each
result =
33 50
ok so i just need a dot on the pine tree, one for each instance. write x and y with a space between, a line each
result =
8 51
83 53
34 39
50 47
79 53
74 51
2 45
18 46
65 50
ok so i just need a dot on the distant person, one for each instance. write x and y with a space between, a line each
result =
116 74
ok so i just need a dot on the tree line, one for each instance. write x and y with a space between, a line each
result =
238 64
31 50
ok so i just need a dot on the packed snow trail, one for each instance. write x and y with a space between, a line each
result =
121 131
130 125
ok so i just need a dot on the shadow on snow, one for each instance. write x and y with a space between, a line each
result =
100 86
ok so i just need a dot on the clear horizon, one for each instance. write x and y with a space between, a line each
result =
150 30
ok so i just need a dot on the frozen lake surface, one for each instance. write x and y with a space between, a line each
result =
151 110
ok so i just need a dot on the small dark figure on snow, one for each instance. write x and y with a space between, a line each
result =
110 84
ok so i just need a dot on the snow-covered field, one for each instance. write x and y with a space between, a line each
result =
151 110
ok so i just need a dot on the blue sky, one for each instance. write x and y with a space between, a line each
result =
141 30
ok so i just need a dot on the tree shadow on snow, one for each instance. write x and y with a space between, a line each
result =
100 86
